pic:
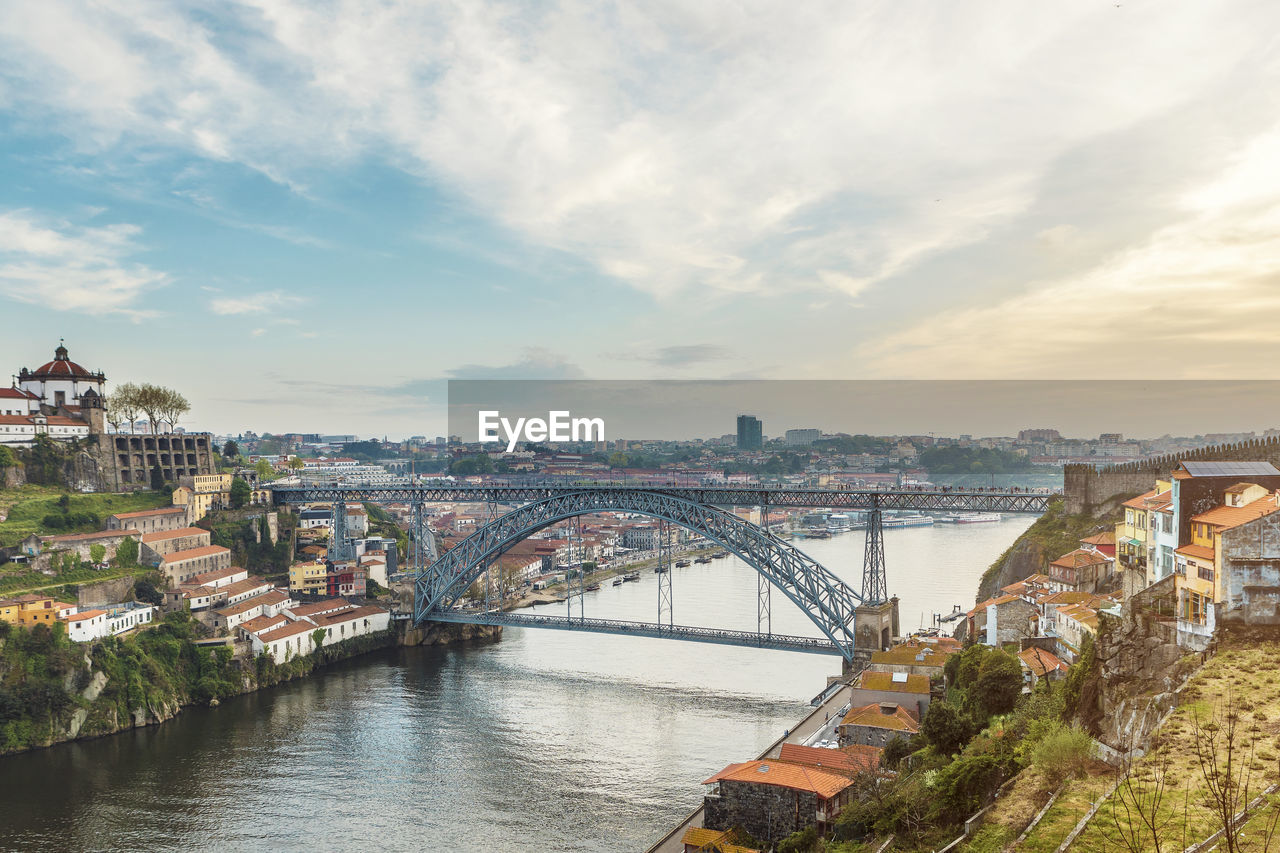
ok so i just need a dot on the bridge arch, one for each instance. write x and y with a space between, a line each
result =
825 599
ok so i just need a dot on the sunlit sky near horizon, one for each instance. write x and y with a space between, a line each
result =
307 216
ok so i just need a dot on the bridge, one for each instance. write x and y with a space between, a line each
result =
850 621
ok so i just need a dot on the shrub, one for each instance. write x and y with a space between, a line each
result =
1063 753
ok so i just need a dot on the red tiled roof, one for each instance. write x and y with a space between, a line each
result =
192 554
1199 552
95 534
1040 662
1231 516
851 759
285 631
164 510
785 774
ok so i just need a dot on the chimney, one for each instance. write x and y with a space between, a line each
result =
888 707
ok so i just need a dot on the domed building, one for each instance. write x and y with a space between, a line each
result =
62 383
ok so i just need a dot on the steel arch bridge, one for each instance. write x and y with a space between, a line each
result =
828 602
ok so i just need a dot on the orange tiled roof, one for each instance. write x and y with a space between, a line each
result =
1040 662
904 655
884 681
1140 502
1081 557
785 774
1199 552
871 715
164 510
846 760
1231 516
193 553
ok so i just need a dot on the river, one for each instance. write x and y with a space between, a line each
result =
545 740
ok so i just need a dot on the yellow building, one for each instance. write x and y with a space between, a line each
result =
201 493
1131 532
308 578
9 611
1200 561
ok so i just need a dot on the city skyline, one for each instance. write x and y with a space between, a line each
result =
328 213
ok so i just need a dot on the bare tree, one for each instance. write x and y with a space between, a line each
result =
1135 805
1224 753
150 399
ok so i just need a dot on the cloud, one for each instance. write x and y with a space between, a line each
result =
535 363
1197 299
685 355
65 267
680 148
256 303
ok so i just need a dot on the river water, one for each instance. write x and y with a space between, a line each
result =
545 740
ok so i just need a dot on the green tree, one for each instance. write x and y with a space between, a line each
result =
7 459
97 553
230 450
999 682
145 590
945 728
127 552
240 493
264 469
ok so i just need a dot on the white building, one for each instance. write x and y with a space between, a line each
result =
88 625
61 382
129 615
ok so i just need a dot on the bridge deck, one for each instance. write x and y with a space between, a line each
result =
517 491
783 642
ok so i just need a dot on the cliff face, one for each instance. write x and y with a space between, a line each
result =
1052 535
1138 670
1023 559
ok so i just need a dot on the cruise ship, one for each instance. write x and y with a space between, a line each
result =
907 521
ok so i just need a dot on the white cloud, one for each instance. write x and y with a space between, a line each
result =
65 267
1197 300
255 303
676 146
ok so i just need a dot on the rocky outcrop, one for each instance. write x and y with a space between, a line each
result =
1139 669
1026 557
439 634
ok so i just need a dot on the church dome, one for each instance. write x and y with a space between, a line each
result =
61 368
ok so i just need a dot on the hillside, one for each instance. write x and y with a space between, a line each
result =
42 509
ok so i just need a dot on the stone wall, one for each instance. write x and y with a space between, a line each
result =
1251 572
125 461
767 812
1099 490
100 593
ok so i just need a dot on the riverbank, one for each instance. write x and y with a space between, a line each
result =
53 690
555 593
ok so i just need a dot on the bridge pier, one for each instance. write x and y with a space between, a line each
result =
875 626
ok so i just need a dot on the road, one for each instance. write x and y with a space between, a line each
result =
820 723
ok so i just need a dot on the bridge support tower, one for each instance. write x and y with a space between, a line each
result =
875 626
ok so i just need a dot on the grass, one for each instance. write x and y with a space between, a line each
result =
25 507
1246 675
18 579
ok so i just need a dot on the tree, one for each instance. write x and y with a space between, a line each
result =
122 403
264 469
172 407
945 728
999 682
145 590
7 459
230 450
240 493
97 553
127 552
296 464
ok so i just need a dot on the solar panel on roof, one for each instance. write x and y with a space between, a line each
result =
1228 469
900 678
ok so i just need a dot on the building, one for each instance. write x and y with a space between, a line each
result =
61 383
1007 618
911 658
876 724
750 433
87 626
149 520
200 493
772 798
801 437
80 543
1037 663
181 566
1083 569
898 688
164 542
1250 572
308 578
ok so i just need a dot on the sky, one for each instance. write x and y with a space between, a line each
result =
308 216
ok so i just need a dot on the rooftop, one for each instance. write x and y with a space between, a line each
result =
898 682
192 554
161 535
785 774
849 760
882 716
1227 469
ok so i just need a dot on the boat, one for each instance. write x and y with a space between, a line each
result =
680 564
817 533
907 521
631 576
593 587
718 554
617 581
659 570
702 560
977 518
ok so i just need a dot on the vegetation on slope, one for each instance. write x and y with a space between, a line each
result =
49 509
